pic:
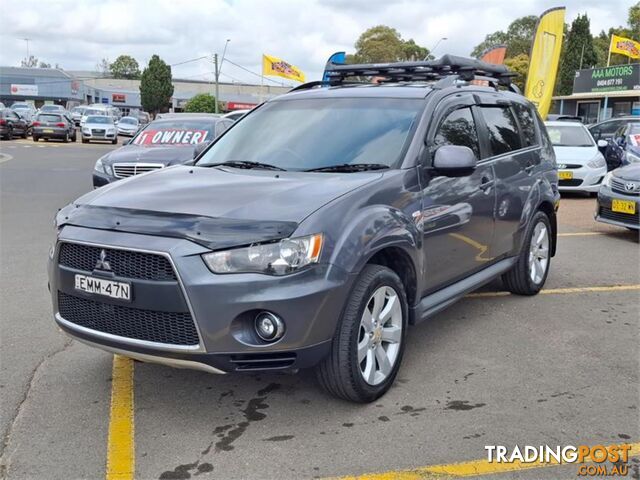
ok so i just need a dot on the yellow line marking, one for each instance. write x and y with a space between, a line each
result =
580 234
557 291
470 241
120 446
470 469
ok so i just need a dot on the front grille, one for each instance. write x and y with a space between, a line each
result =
99 132
563 166
123 170
620 217
123 263
574 182
263 361
149 325
620 187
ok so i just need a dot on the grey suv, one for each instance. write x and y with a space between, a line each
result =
316 230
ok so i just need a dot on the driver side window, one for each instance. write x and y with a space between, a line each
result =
458 128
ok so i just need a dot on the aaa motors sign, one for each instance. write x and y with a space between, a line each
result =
26 90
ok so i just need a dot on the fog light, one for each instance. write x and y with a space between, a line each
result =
269 327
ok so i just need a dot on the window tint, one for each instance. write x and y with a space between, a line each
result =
527 123
458 128
609 127
49 118
503 132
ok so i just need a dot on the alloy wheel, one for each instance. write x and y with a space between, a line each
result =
539 253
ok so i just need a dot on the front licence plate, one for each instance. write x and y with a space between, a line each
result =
565 175
47 130
623 206
100 286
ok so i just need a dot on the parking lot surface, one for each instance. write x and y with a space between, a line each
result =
560 368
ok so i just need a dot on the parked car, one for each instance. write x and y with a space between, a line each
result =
581 166
100 128
619 198
236 114
51 108
606 129
53 126
11 124
128 126
623 147
77 113
25 110
298 238
167 141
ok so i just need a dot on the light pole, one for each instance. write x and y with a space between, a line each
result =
217 69
28 52
435 46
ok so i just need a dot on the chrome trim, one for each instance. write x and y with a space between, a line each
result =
143 357
132 341
151 166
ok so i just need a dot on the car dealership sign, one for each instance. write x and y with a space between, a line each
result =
608 79
21 89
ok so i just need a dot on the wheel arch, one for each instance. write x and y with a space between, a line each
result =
548 209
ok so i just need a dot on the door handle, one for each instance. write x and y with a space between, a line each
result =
529 168
486 183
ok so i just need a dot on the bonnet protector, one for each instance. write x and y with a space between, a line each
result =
210 232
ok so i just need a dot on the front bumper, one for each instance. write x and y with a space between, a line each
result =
605 214
585 179
100 179
222 307
127 133
105 137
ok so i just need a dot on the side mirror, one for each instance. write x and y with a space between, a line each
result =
454 161
602 143
199 148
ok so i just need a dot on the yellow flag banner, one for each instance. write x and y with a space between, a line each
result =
544 59
624 46
278 67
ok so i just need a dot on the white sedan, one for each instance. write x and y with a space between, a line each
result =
581 166
128 126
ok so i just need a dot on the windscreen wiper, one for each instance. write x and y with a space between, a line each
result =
350 167
246 164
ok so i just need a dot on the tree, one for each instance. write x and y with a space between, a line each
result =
125 66
382 44
103 66
203 102
634 21
156 88
30 62
520 65
577 52
518 37
42 64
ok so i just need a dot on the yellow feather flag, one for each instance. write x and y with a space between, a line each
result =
278 67
545 57
624 46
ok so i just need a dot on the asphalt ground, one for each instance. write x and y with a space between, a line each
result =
559 369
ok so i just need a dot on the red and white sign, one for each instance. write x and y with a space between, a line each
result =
635 140
21 89
118 98
240 106
171 137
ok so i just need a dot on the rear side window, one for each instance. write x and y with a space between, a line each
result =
527 123
458 128
503 130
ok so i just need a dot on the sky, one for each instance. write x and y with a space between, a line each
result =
77 34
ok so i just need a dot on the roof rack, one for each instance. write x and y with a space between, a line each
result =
448 69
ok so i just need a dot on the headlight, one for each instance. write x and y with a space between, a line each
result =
607 179
632 157
86 130
278 258
103 167
597 162
111 130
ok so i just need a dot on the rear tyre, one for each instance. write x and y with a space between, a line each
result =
114 141
368 345
25 133
84 140
528 275
35 139
66 137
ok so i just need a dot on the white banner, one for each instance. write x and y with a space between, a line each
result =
27 90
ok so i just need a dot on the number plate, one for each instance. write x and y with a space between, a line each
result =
623 206
564 175
101 286
47 130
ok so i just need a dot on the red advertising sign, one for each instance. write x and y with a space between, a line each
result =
118 98
171 137
240 106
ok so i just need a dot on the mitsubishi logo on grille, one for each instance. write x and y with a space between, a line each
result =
102 263
629 187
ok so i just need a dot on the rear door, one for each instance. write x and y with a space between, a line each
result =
457 213
515 157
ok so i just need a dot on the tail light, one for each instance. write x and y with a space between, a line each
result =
60 124
3 121
36 124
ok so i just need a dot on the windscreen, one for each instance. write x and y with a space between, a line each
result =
179 132
51 108
569 136
128 121
49 118
94 111
316 133
78 110
99 119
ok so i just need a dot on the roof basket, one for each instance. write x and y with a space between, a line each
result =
449 68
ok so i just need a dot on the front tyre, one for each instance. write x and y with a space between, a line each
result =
530 272
368 345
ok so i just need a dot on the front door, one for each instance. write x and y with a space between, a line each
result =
457 213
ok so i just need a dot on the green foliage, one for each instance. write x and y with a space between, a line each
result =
520 65
381 44
203 102
578 52
518 37
125 66
156 88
